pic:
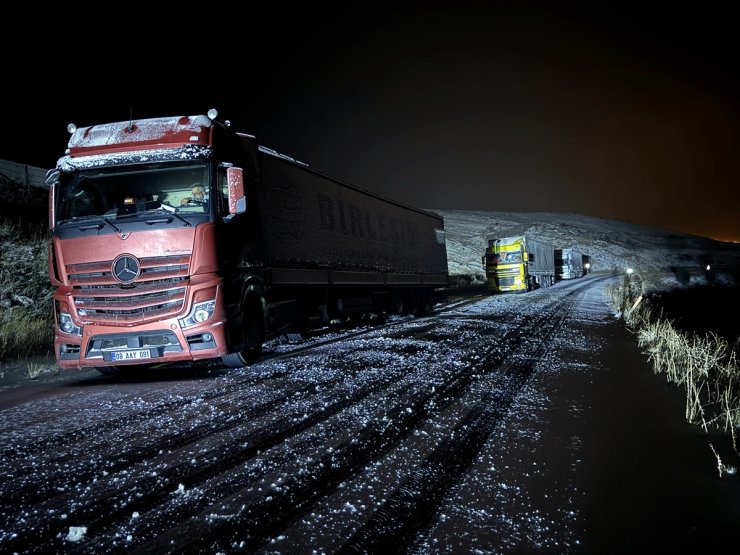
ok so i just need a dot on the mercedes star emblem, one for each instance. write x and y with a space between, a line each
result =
126 268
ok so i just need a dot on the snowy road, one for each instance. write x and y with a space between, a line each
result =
449 433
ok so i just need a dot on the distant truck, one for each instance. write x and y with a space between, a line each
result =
518 264
144 273
586 264
569 264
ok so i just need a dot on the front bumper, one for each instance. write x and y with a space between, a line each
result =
155 343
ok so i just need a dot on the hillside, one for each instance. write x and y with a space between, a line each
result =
23 192
612 245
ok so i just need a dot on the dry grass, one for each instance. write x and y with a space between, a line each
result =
26 319
35 369
705 366
24 333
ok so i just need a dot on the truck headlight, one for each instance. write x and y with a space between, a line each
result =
198 314
67 325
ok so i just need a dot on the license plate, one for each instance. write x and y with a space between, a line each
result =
118 356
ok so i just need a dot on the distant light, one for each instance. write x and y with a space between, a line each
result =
212 114
71 128
629 271
708 267
587 265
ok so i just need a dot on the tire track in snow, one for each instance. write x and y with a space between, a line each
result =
255 516
109 502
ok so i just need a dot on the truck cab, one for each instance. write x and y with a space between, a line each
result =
132 254
506 266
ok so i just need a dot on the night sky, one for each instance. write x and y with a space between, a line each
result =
611 110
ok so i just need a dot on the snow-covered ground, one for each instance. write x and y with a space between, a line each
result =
505 424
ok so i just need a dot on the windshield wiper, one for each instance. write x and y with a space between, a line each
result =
162 210
98 219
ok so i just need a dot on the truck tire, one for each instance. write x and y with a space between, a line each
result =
252 334
424 305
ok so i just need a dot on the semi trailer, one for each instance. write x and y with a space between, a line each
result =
569 264
519 263
144 273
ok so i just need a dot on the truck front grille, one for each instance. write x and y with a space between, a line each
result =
505 277
155 268
506 282
158 292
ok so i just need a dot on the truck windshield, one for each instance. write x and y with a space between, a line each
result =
116 194
507 257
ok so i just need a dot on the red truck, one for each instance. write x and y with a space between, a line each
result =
144 274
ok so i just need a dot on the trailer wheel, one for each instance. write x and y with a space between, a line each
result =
252 334
424 306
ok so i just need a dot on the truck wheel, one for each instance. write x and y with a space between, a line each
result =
423 306
253 335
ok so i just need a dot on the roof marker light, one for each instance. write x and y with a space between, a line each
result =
212 114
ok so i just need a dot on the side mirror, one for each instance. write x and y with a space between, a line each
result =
237 200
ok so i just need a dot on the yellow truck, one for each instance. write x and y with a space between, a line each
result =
518 264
